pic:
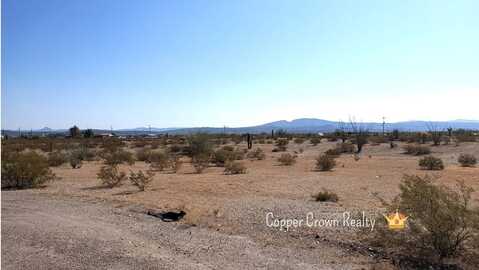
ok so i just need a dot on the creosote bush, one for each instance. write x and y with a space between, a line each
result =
25 170
416 150
227 153
140 179
431 163
118 156
234 167
441 223
325 196
467 160
325 162
57 158
257 154
298 140
287 159
111 176
281 145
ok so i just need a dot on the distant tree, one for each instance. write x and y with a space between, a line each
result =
88 133
360 134
435 132
74 132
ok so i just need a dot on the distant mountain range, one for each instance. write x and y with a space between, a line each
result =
302 125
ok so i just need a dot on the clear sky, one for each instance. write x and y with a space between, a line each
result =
130 63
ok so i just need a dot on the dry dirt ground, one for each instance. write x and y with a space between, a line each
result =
75 223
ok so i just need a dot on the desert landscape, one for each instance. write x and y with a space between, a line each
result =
325 135
222 205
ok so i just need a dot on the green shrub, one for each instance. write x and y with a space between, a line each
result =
325 162
325 196
234 167
25 170
416 150
199 145
287 159
111 176
57 158
117 157
141 180
467 160
257 154
441 223
431 163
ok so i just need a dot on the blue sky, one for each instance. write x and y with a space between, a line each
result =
236 63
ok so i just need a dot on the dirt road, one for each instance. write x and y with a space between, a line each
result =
47 232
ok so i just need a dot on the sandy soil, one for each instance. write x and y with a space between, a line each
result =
236 205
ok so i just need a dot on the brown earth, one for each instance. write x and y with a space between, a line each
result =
233 208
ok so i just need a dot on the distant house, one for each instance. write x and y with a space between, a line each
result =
104 135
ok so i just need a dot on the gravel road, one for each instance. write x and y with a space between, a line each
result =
48 232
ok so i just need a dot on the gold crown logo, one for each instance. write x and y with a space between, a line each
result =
396 221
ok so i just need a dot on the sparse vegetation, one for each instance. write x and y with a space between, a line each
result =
234 167
140 179
416 150
431 163
25 170
118 156
111 176
325 196
287 159
467 160
441 224
57 158
325 162
257 154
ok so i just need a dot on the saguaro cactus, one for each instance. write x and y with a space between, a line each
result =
249 139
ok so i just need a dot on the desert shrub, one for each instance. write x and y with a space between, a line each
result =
325 162
345 147
315 141
141 180
227 153
118 156
143 154
199 146
257 154
333 152
25 170
111 176
417 150
287 159
83 153
441 223
282 142
57 158
467 160
325 196
200 162
175 148
159 160
298 140
431 163
261 141
234 167
75 162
